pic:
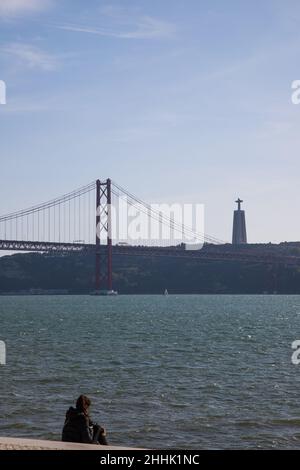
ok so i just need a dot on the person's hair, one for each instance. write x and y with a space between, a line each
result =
83 403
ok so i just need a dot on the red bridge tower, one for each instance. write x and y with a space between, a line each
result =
103 223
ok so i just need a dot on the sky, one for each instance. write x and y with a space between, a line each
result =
177 101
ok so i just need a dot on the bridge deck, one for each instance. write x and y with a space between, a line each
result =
227 253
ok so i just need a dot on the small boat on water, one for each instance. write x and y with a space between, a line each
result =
112 292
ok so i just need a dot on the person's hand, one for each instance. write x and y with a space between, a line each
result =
99 428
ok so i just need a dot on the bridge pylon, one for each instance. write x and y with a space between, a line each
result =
103 275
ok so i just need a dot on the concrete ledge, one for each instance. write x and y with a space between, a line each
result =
7 443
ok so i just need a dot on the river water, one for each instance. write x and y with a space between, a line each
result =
197 372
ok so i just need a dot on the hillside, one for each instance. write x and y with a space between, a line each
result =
74 273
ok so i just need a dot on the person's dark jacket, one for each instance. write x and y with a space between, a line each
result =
79 428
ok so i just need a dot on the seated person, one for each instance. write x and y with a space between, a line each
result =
78 426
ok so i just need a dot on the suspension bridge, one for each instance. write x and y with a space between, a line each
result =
88 220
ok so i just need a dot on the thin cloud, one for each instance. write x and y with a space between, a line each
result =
30 56
10 8
145 27
151 28
21 107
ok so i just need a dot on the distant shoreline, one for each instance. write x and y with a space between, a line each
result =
174 294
